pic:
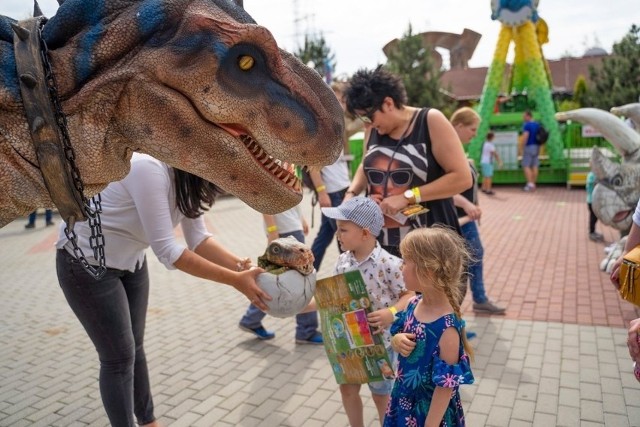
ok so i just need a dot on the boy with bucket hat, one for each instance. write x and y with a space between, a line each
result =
359 222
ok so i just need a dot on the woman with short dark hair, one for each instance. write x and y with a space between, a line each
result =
413 156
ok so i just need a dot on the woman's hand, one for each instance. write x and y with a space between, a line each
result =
393 204
246 284
615 273
380 319
473 211
403 343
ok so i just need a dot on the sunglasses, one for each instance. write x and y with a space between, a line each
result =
368 115
399 177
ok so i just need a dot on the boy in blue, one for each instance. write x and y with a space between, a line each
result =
429 335
359 221
531 151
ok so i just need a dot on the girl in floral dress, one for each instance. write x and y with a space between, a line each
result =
429 335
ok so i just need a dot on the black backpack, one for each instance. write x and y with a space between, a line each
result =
542 135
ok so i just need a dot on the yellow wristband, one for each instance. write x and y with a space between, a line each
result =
320 188
416 194
272 228
393 310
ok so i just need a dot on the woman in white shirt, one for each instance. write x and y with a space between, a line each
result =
140 211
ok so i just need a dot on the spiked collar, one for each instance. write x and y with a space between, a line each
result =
46 121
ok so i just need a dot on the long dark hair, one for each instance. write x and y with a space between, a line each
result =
194 195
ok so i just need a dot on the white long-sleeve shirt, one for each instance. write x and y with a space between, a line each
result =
138 212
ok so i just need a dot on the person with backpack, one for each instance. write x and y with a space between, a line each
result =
531 151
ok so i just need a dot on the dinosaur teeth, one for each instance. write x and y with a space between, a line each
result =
276 167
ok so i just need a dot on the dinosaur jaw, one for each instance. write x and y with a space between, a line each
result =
271 164
264 159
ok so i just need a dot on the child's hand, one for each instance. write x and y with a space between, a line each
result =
403 343
381 319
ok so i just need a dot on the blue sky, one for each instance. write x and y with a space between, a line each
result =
356 30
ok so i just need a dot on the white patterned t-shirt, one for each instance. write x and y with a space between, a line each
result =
382 276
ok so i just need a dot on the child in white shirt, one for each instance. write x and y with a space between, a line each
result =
359 221
489 155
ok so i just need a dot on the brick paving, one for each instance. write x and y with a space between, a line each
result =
558 357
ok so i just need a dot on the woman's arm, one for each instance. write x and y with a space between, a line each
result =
448 152
211 261
358 183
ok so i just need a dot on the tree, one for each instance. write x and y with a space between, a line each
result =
580 91
316 54
617 81
412 61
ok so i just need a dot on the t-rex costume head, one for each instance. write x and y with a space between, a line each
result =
618 189
195 83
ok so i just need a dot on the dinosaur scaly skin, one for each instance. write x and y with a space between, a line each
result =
287 253
181 80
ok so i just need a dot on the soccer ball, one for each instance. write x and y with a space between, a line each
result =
290 291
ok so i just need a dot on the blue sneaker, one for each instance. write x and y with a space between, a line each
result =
260 332
315 339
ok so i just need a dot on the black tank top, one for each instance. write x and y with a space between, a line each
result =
404 166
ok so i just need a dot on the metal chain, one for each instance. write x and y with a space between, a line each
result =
96 241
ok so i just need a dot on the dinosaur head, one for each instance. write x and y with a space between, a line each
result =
199 85
617 192
618 184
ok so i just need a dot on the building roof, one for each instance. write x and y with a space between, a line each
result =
467 84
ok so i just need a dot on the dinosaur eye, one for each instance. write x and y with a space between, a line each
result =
616 180
275 249
246 62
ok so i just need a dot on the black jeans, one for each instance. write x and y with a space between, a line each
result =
113 311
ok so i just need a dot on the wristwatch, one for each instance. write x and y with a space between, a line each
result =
411 198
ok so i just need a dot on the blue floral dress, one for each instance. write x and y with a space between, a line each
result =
423 370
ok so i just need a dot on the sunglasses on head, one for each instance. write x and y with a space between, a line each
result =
399 177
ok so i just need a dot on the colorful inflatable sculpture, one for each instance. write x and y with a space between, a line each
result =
530 73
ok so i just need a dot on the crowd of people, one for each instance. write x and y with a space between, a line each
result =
416 267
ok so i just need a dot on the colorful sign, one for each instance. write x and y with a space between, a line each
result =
356 354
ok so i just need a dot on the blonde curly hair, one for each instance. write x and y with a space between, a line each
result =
440 255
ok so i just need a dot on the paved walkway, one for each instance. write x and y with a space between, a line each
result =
557 358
